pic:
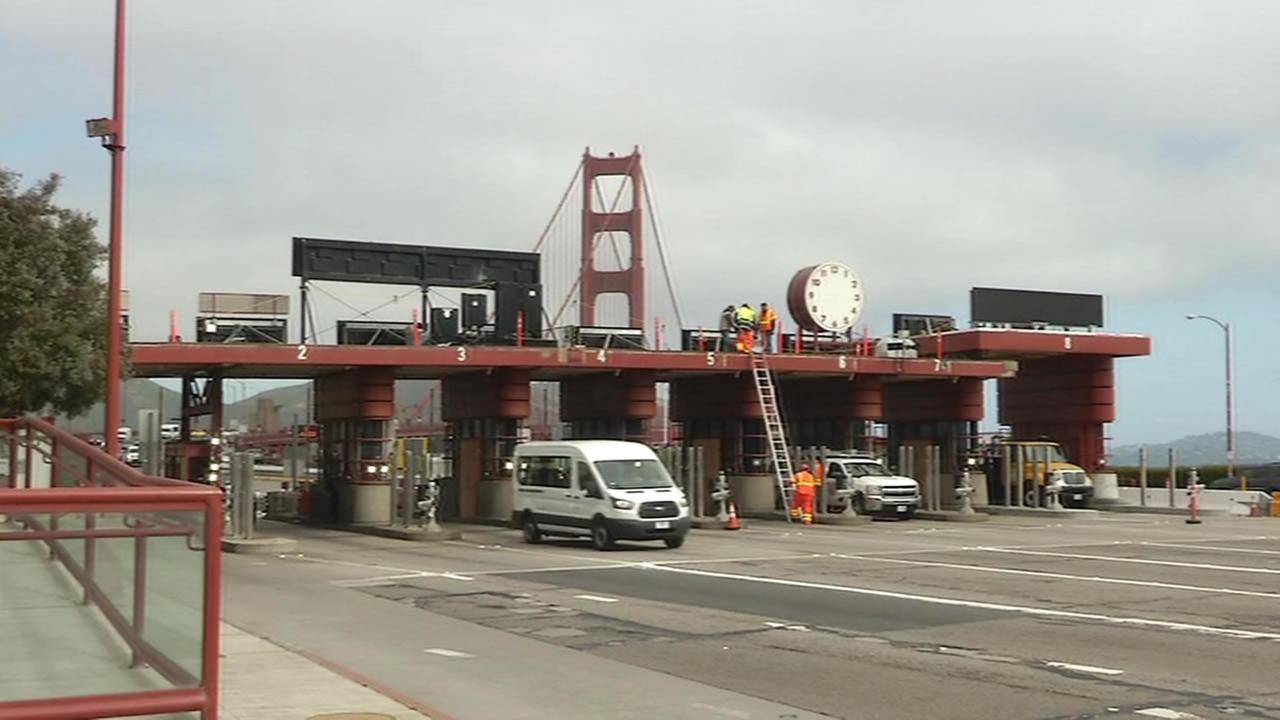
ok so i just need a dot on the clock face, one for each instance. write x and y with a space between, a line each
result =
833 297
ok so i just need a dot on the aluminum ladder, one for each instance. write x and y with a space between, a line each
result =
775 434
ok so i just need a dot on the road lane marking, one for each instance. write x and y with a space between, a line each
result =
1091 669
1219 548
446 652
597 598
1166 714
979 605
1062 576
1139 561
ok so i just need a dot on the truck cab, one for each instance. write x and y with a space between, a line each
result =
876 491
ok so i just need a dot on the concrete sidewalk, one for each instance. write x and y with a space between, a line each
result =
263 681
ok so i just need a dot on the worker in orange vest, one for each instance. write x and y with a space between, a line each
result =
768 322
802 499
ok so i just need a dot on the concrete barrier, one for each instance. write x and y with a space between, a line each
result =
1106 487
1235 502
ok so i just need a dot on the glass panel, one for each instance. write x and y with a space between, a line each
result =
53 645
175 593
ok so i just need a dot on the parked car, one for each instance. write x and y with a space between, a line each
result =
875 490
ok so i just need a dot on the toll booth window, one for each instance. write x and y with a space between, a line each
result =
544 471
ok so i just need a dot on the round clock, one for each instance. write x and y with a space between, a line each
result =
825 298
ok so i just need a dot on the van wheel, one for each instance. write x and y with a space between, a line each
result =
674 541
600 537
532 534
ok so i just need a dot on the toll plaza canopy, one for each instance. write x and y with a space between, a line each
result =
544 363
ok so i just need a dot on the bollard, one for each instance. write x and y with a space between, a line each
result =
964 492
1193 489
1142 475
721 496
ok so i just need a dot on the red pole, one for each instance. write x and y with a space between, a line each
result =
114 339
417 331
140 590
212 605
26 471
657 333
795 347
866 340
90 552
702 341
939 347
520 329
13 457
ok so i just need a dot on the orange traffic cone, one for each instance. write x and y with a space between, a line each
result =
733 523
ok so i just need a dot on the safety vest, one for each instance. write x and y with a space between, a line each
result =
767 319
805 480
746 317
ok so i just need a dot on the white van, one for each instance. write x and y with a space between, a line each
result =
606 489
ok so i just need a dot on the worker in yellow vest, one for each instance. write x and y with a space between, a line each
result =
745 319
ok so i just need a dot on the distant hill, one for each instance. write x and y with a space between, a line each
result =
1208 449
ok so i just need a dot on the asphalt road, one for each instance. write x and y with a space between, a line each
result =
1117 616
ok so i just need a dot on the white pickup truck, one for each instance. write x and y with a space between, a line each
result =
876 491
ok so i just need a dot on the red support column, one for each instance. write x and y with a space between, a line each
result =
628 281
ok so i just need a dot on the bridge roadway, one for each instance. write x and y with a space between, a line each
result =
1116 616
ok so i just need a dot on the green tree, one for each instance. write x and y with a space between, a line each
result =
53 308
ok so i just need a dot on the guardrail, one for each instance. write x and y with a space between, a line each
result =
145 552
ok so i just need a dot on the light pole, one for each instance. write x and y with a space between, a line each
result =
111 130
1231 436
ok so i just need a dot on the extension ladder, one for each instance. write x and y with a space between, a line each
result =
775 434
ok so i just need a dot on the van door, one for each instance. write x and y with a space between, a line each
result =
545 484
589 496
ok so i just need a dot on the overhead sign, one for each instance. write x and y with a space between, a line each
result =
1033 308
913 325
422 265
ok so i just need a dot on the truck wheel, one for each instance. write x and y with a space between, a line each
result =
532 534
601 539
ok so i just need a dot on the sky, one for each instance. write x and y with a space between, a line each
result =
1124 148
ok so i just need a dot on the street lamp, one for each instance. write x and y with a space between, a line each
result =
1231 437
111 130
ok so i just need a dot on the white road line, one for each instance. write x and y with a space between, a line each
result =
1001 607
1062 576
1166 714
1084 668
1218 548
446 652
1139 561
597 598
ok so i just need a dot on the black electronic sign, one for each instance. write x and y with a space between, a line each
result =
1033 308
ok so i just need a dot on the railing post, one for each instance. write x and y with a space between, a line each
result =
90 552
212 605
53 462
13 457
26 470
140 590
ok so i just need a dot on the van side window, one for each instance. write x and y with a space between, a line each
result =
544 471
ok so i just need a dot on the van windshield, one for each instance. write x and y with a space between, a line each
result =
633 474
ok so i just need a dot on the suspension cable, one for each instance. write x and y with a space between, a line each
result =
560 206
651 203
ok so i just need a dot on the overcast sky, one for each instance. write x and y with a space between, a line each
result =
1127 148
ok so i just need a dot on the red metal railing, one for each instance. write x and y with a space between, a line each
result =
83 480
